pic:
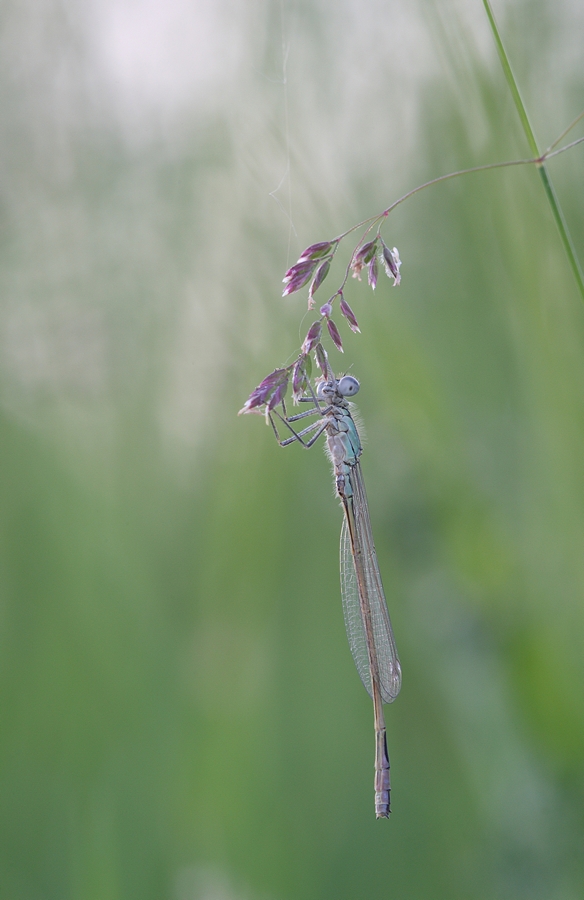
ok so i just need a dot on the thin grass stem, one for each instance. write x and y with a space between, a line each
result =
540 164
561 137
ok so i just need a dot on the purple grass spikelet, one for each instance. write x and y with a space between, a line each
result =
372 273
334 333
300 377
391 262
265 390
312 337
320 276
322 359
297 276
363 257
349 315
317 251
277 396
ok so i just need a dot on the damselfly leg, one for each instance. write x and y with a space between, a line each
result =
315 428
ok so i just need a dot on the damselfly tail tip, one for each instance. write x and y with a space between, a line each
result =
382 805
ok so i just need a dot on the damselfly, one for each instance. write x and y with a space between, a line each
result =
365 610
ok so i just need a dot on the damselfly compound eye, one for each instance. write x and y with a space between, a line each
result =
348 386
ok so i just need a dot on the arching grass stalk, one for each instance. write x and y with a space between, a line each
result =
539 158
371 253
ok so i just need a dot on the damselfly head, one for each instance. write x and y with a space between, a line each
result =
347 386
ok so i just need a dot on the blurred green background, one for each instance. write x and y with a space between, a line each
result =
180 714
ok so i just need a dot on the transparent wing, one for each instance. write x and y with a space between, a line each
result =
368 595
